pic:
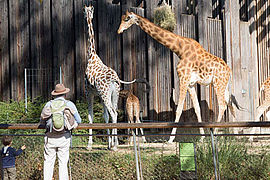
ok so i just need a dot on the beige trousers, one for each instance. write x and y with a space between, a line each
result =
56 145
9 173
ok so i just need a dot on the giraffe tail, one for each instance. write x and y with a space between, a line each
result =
138 81
232 101
127 82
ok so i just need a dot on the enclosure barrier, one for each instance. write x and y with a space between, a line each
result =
146 125
209 125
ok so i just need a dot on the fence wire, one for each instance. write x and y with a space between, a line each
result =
237 157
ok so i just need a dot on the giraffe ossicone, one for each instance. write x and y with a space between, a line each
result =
196 65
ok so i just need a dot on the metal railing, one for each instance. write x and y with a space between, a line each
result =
209 125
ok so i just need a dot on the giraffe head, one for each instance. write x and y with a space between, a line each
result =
89 12
124 93
128 20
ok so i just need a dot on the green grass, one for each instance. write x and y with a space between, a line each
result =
234 160
237 159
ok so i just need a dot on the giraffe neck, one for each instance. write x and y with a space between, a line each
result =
167 38
91 40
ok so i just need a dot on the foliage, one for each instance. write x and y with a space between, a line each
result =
164 17
234 161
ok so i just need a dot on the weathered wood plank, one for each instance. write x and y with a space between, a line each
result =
146 125
160 81
19 45
233 50
204 11
248 89
134 59
41 48
81 43
263 35
63 41
253 64
214 46
109 42
4 53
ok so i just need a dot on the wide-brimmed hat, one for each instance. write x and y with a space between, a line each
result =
60 89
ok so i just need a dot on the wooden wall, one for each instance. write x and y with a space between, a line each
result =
50 34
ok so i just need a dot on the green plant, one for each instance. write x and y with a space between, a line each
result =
234 160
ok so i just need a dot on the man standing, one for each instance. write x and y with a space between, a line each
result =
57 136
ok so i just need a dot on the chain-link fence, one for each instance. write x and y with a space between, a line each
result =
237 158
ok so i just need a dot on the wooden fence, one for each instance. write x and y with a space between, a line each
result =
48 34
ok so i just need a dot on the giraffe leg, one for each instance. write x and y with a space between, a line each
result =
114 141
179 109
260 111
114 100
222 105
106 117
268 115
137 115
193 95
141 129
144 138
90 98
130 120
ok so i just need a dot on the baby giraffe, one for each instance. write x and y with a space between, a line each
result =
132 107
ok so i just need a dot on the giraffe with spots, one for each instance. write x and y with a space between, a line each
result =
133 108
102 81
195 65
265 87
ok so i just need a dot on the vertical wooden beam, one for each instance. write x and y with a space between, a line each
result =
63 42
160 76
109 42
81 36
253 67
134 59
232 20
41 47
214 46
4 52
204 11
19 45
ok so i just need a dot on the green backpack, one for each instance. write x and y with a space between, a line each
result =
58 118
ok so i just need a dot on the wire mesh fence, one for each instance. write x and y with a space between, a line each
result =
38 82
237 157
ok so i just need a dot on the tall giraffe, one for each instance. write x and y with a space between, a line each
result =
102 81
196 65
265 87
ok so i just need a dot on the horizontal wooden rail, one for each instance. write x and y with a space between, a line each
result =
147 125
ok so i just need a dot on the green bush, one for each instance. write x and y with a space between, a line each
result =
234 160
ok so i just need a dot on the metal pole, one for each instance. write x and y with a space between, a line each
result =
25 89
217 161
60 73
214 153
140 160
136 156
69 157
